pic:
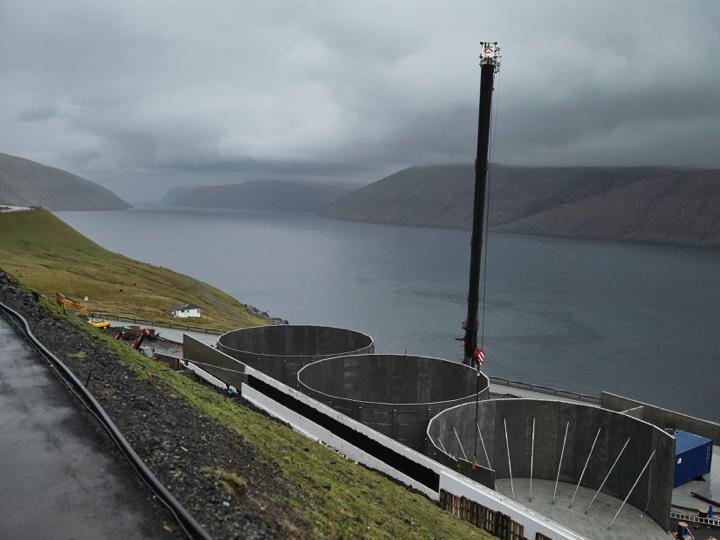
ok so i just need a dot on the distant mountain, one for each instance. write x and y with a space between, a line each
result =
649 204
260 195
26 182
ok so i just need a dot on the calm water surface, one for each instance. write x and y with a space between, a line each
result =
582 315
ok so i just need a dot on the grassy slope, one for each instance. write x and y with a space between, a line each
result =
337 498
47 255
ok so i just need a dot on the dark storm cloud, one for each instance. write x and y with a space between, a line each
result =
155 93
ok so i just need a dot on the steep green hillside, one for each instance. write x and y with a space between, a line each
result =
678 206
47 255
26 182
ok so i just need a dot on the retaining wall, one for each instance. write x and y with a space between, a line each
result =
217 363
661 417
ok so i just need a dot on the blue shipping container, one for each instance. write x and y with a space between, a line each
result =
693 457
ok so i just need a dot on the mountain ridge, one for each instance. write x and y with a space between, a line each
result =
645 204
29 183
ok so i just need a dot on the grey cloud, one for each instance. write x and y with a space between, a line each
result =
38 113
151 93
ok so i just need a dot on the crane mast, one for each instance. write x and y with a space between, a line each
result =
489 65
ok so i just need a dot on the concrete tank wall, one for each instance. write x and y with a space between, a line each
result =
280 351
394 394
652 493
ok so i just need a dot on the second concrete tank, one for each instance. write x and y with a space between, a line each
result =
394 394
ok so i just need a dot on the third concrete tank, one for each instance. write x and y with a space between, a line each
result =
568 442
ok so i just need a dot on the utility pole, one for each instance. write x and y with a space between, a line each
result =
489 65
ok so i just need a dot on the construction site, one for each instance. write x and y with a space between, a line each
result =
516 460
561 467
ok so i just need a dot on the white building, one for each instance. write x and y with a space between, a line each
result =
186 310
8 208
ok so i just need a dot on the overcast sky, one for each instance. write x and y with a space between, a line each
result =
144 95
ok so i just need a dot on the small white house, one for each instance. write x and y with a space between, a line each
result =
185 311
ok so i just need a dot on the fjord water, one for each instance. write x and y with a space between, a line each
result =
638 320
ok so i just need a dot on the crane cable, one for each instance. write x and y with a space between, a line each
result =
493 134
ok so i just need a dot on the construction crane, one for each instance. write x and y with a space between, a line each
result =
67 302
489 65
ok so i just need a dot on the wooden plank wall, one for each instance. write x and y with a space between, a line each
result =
495 523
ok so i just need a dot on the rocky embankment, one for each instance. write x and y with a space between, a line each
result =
265 315
209 469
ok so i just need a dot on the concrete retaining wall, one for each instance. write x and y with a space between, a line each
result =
652 493
662 418
280 351
394 394
217 363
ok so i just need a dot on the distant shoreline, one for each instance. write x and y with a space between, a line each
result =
498 230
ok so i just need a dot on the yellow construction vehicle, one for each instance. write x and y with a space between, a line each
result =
68 302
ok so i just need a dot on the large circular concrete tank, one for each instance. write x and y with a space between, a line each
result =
393 394
280 351
530 444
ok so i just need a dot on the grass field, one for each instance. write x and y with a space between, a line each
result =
48 256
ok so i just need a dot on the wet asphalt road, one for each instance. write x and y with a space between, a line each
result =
60 477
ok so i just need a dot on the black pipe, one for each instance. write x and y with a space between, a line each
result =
192 529
487 74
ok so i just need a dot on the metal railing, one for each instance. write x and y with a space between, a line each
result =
710 522
541 389
153 322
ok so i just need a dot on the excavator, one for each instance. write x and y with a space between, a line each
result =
68 302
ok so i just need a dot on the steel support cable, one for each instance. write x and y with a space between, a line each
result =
187 522
487 458
477 407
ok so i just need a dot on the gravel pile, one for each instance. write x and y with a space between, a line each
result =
209 469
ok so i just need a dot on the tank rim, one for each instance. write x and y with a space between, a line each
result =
265 355
486 402
396 403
